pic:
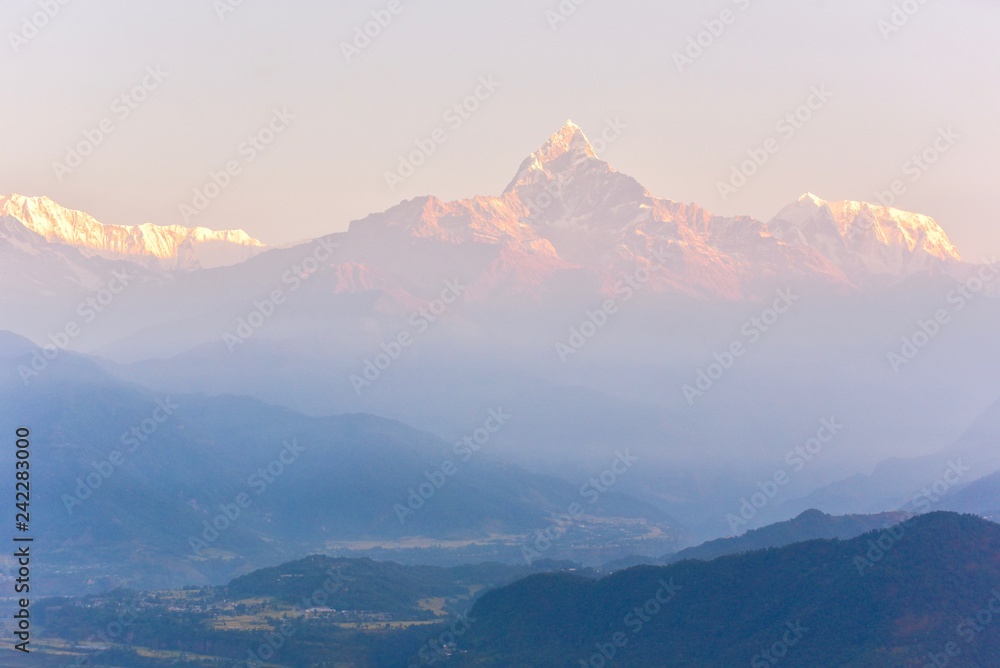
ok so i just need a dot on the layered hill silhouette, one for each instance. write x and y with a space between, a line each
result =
908 596
150 489
810 525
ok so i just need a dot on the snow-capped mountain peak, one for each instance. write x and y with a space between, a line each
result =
566 149
862 236
168 247
569 139
565 211
568 208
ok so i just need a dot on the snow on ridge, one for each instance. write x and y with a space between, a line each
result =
161 246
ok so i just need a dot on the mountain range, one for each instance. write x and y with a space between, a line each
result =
648 295
568 224
167 490
168 247
565 210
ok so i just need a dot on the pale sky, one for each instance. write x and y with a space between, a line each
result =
685 130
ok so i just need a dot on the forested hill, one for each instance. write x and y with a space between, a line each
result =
904 596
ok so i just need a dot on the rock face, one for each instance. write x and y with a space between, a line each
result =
567 208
